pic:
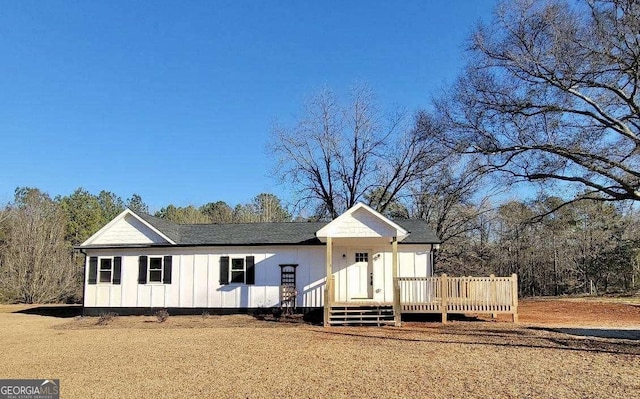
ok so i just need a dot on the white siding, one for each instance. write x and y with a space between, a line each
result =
128 230
362 223
195 277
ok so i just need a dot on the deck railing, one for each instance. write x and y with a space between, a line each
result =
459 295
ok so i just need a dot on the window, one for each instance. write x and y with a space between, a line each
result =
156 269
362 257
237 270
105 270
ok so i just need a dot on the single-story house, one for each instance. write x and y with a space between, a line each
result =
139 262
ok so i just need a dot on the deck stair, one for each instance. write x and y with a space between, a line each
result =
361 315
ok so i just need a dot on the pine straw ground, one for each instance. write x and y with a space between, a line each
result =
239 356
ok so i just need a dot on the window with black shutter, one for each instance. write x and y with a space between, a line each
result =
237 270
105 270
155 269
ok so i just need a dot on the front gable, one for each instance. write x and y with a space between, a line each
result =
127 229
361 221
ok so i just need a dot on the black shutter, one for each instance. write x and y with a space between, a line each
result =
224 270
167 269
117 269
251 270
142 270
93 269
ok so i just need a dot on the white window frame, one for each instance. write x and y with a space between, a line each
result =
99 276
243 270
161 269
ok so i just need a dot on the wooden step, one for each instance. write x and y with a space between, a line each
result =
362 311
361 322
361 314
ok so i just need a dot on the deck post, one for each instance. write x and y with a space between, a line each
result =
514 297
397 309
444 297
328 286
493 294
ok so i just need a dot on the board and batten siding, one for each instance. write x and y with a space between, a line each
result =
413 261
196 279
196 276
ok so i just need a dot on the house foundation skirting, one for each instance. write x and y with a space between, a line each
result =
135 311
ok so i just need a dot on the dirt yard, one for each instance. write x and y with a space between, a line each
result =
579 312
241 357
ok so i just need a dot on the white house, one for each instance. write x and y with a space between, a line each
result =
138 262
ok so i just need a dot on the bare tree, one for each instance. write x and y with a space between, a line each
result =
35 262
550 94
336 154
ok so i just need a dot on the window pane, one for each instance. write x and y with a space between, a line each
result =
105 270
155 276
362 257
237 277
105 276
155 264
237 264
105 264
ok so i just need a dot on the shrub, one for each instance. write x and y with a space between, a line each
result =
205 315
162 315
106 318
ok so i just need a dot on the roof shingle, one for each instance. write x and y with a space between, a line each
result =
276 233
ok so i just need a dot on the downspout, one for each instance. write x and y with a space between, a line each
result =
84 277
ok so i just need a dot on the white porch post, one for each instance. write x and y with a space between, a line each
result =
397 310
328 287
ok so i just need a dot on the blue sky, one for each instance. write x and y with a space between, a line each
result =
175 100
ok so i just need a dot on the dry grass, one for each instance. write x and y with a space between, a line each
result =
239 357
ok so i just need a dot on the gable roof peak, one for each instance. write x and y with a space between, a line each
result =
336 225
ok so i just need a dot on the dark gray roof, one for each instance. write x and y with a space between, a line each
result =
296 233
166 227
420 231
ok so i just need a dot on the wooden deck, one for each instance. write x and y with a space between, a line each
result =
443 295
446 294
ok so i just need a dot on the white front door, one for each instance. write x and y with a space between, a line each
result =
361 275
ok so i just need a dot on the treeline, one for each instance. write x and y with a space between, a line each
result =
586 247
38 233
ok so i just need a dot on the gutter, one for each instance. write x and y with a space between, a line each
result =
311 244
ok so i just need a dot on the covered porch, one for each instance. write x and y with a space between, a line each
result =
362 267
369 280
